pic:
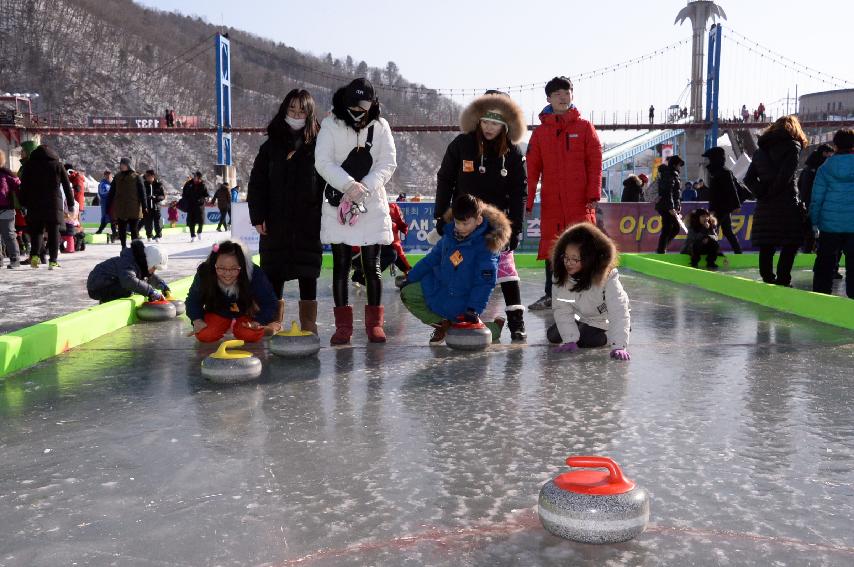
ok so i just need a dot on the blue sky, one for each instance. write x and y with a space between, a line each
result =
466 44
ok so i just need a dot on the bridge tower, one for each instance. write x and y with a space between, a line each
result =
699 12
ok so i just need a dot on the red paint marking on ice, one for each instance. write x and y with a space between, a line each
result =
528 520
440 536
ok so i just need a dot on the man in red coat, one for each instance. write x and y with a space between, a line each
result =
564 150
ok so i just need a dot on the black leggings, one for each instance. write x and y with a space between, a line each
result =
124 225
591 337
512 293
725 222
669 230
342 257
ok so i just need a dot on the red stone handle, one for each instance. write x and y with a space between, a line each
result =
615 474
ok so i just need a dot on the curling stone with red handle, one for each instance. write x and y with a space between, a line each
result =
468 336
180 308
593 506
160 310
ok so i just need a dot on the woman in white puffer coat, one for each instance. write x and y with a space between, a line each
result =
356 157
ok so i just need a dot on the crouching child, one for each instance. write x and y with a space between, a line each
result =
132 271
229 292
454 281
590 307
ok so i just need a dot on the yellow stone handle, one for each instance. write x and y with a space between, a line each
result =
223 353
294 331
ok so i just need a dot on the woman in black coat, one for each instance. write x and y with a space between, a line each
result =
285 202
669 204
41 175
778 221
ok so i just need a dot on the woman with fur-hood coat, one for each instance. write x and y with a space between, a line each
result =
356 157
485 161
458 275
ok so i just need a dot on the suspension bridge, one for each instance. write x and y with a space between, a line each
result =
688 106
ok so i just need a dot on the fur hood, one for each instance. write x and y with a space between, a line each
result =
498 234
511 112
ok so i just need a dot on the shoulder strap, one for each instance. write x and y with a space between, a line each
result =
370 140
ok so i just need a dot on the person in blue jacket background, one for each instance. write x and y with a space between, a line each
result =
104 198
832 214
454 281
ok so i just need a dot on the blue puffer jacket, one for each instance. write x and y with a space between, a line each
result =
832 206
450 289
104 196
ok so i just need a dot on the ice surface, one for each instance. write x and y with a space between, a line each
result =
737 419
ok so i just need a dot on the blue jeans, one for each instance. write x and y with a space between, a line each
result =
830 245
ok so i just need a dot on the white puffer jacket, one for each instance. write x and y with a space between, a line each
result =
604 307
334 143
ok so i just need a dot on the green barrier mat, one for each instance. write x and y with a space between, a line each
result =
748 260
31 345
831 309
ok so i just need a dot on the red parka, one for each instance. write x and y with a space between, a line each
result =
566 150
78 184
398 224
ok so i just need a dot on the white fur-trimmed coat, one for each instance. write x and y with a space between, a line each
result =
603 306
334 143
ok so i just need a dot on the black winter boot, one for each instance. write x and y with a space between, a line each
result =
516 322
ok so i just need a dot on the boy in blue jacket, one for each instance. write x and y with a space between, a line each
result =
454 281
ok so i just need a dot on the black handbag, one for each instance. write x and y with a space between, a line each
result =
357 165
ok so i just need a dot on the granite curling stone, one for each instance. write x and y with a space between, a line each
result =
160 310
294 343
180 308
593 506
468 336
231 367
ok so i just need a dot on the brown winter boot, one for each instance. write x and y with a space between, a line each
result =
374 319
308 316
343 325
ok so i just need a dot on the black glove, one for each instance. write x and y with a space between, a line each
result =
440 226
470 316
513 243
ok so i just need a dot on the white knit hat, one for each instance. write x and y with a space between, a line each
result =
156 258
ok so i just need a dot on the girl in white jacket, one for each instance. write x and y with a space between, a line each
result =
355 156
591 309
